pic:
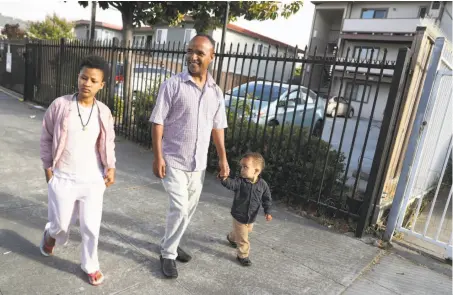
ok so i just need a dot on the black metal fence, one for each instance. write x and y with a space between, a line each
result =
315 118
12 64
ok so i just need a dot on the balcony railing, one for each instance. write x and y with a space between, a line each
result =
387 25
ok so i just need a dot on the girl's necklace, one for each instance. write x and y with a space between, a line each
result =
84 126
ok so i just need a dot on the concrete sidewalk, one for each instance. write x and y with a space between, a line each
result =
402 271
291 254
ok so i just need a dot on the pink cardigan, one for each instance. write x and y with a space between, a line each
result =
55 131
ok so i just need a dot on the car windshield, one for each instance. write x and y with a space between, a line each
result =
263 92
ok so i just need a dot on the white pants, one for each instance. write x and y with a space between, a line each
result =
184 189
68 197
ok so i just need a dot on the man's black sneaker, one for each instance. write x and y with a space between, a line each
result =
183 256
169 267
232 243
244 261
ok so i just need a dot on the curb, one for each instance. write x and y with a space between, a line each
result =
20 98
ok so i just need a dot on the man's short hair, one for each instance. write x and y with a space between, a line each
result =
257 159
206 36
95 62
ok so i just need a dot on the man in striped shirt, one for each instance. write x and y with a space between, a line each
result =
189 108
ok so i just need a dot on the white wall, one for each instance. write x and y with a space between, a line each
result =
175 35
235 38
102 34
395 9
446 22
382 97
330 5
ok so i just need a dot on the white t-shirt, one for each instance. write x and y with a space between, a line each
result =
80 158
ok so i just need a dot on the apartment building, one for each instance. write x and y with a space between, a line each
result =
361 27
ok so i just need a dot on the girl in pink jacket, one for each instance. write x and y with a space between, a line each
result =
78 155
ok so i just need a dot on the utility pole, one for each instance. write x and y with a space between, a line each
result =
222 44
93 21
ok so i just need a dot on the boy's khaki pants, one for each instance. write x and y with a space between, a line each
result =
240 235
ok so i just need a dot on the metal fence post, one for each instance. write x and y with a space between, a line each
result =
222 44
385 139
406 177
27 81
113 62
60 68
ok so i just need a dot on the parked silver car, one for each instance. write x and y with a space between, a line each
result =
145 77
342 110
271 102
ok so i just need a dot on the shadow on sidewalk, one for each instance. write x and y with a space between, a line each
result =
15 243
137 247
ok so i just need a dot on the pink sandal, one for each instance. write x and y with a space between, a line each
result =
96 278
46 247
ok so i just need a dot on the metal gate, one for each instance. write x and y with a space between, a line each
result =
12 65
422 206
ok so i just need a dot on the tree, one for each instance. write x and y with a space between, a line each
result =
52 28
207 15
13 31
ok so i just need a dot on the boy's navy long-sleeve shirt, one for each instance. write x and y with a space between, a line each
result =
248 198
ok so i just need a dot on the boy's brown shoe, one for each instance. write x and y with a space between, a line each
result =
244 261
232 243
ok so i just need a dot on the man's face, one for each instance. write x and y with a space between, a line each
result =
90 82
199 55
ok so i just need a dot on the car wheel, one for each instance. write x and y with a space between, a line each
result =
273 123
351 113
317 130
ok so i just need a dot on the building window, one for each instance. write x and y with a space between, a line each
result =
138 41
357 92
365 53
435 5
189 34
161 36
374 13
262 49
422 12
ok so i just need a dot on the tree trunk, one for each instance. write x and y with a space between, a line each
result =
128 65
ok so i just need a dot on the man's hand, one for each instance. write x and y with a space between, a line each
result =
159 167
49 174
224 169
223 178
268 217
109 178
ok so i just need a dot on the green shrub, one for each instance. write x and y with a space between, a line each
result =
118 107
292 170
143 106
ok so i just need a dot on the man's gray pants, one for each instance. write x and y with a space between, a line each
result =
184 189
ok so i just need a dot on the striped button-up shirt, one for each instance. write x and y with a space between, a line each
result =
188 115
